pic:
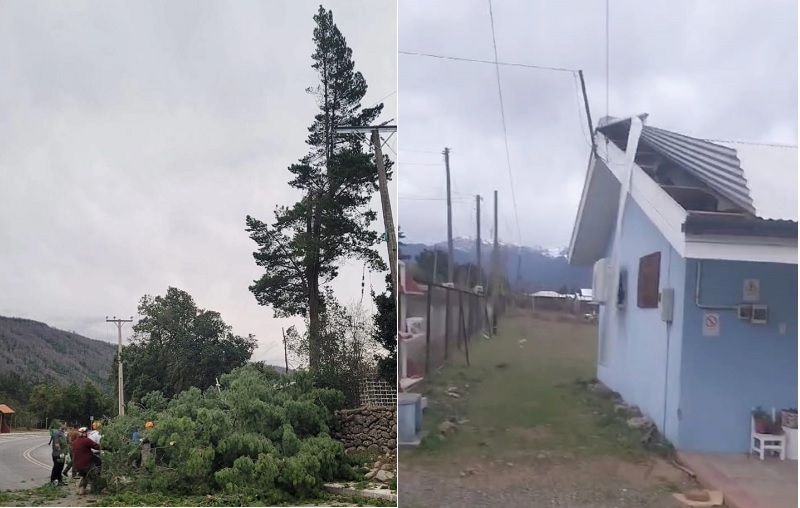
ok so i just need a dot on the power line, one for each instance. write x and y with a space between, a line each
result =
420 151
608 79
753 143
475 60
503 117
429 198
381 100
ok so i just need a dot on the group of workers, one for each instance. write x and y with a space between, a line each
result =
79 450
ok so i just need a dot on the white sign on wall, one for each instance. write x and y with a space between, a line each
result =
752 290
710 325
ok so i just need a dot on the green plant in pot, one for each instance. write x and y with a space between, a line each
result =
762 421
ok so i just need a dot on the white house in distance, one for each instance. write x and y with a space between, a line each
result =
694 245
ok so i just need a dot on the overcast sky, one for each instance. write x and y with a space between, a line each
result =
714 69
136 137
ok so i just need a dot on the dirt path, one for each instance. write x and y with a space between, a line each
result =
519 431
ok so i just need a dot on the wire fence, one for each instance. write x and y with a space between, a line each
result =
444 321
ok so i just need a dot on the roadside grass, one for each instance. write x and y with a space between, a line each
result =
33 497
521 396
156 499
44 496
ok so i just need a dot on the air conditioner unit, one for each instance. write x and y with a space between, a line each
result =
600 281
415 325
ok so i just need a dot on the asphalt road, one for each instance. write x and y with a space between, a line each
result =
24 460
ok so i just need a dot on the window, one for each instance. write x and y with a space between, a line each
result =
649 274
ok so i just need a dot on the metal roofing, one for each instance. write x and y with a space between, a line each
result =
771 173
6 410
715 165
761 179
724 224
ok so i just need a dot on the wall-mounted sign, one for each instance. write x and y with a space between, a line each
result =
710 325
751 290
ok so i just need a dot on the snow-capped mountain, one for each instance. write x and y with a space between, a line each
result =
539 268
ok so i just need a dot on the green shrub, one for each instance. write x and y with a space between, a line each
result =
260 437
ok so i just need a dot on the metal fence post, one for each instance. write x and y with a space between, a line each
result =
428 332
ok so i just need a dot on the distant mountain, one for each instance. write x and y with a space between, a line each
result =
38 353
540 268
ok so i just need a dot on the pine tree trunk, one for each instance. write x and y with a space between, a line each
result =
312 278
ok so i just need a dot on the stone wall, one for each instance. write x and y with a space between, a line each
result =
368 430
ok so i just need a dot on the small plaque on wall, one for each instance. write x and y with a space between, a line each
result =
710 325
751 290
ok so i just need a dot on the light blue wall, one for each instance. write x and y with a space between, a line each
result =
644 356
747 365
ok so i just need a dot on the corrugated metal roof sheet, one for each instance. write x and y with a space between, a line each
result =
715 165
762 179
771 173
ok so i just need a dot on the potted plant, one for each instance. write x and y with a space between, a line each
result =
762 421
789 418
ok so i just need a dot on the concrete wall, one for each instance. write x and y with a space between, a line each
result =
642 357
747 365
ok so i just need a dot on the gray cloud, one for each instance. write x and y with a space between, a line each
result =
137 137
722 70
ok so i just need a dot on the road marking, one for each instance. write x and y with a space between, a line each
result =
27 456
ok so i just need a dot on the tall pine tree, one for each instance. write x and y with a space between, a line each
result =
303 248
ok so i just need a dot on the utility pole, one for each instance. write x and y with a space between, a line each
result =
478 240
285 351
388 221
119 323
495 259
450 266
588 113
386 204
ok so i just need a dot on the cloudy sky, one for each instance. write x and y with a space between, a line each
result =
714 69
136 137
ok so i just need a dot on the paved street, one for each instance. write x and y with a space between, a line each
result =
24 460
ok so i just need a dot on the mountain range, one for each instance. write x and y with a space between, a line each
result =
40 354
537 268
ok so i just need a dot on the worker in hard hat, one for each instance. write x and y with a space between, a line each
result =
147 446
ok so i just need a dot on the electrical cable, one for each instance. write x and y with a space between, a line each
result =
505 131
475 60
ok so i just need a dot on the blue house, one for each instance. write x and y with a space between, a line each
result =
694 248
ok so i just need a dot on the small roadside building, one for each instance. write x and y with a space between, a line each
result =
694 249
5 418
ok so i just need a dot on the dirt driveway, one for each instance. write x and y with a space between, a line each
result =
515 429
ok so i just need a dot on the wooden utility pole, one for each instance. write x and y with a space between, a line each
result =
450 266
386 204
478 240
285 351
121 393
495 258
588 113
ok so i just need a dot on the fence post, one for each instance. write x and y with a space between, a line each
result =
466 342
446 322
428 332
460 319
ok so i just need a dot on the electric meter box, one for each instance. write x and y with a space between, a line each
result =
666 304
